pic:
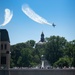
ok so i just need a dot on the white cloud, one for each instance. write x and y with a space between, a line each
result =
7 17
32 15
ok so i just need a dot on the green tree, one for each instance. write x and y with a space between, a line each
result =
73 48
26 57
64 61
17 53
29 53
31 43
19 62
70 51
22 54
54 48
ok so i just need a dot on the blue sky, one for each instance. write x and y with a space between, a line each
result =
21 28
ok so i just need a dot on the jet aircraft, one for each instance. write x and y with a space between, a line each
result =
53 25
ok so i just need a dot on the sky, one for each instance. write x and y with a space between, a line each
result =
21 28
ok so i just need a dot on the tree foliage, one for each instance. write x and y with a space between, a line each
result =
63 62
54 48
57 50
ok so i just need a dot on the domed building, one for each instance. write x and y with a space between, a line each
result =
42 39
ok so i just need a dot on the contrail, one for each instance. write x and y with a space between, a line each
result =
35 17
7 17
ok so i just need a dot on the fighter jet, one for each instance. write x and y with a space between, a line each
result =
53 25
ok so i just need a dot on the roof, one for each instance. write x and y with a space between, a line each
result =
4 36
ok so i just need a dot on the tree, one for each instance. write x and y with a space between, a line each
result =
17 54
22 54
63 61
26 57
70 51
73 47
31 43
54 48
40 48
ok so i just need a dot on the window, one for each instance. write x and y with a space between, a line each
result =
3 60
7 52
1 46
5 46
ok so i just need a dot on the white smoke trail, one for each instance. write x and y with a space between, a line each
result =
8 16
31 14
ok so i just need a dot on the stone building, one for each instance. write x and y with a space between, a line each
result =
4 49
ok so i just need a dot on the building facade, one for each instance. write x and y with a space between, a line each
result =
4 49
